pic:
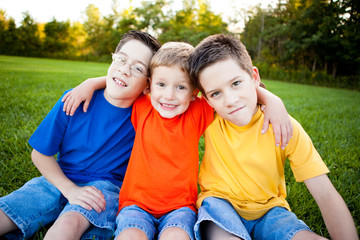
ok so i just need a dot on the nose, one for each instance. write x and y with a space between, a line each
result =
169 93
230 99
125 69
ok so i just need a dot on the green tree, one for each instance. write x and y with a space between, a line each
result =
192 24
9 37
57 39
29 40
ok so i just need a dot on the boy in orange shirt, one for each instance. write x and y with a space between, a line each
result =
159 192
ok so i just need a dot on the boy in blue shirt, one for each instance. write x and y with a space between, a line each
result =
80 188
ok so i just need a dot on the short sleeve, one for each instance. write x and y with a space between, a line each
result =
48 137
305 161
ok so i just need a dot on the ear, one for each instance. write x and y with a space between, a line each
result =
256 76
146 91
195 93
207 100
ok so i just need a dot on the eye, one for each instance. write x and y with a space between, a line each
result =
138 69
160 84
236 83
181 88
214 94
120 60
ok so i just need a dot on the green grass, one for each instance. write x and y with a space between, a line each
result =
31 86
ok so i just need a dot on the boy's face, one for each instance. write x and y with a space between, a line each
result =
171 91
231 91
123 83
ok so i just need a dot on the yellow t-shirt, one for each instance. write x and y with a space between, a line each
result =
245 167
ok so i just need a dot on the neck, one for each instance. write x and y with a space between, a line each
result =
120 103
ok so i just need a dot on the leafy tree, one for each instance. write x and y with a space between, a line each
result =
57 39
9 40
29 40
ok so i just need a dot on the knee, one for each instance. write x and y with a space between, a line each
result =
132 234
68 226
174 233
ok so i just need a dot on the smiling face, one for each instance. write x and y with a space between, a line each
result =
231 91
171 91
122 87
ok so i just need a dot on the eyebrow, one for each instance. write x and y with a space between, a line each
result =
229 81
136 61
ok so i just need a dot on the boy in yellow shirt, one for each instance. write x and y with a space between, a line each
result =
241 177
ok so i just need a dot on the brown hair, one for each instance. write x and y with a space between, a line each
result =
217 48
172 54
143 37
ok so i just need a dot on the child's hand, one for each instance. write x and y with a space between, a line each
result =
277 115
73 98
88 197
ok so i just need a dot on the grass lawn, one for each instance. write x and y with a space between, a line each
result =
31 86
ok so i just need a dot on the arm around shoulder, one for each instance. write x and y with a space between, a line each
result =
336 214
82 93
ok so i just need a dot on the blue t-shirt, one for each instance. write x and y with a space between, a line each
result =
90 146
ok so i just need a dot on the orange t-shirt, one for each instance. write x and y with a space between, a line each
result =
163 168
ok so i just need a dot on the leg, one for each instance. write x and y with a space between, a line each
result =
217 219
6 224
279 223
43 204
132 222
307 235
210 231
70 225
132 234
174 233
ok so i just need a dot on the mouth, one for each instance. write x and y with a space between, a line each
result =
120 82
236 110
168 106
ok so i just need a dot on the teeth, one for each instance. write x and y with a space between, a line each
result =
168 105
120 82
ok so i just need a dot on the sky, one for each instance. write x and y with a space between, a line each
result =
73 10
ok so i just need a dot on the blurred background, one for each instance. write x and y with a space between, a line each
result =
314 42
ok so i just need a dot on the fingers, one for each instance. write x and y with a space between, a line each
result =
277 134
68 102
86 105
71 104
89 198
265 126
286 132
284 137
74 105
66 96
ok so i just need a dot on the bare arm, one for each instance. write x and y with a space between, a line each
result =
336 215
87 197
82 93
276 114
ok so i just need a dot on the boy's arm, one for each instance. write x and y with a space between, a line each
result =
336 215
82 93
276 114
87 197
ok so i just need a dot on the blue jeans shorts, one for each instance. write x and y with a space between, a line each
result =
38 203
135 217
278 223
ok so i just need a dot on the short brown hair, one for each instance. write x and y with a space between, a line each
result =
143 37
172 54
217 48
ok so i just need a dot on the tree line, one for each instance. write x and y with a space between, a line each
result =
310 41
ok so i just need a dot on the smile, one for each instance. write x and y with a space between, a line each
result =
236 110
168 106
119 82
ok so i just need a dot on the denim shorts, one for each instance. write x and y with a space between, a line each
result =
278 223
135 217
38 203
